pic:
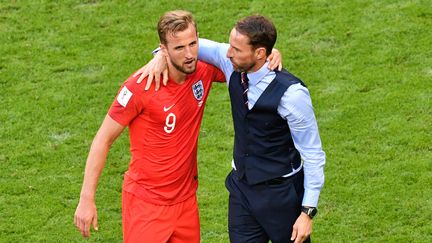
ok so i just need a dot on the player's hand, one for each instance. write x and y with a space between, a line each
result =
154 69
275 60
86 215
302 228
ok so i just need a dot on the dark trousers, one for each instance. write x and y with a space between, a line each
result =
263 212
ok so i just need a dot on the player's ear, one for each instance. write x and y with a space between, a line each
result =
163 48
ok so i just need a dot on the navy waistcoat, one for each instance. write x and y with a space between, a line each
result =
263 146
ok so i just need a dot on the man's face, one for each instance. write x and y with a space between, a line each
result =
182 49
240 52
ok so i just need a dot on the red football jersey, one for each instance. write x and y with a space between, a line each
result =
163 129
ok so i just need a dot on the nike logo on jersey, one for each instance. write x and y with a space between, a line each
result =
168 108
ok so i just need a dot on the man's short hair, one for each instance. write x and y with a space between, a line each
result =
172 22
260 30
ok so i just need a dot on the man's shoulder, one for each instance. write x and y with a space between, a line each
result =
286 78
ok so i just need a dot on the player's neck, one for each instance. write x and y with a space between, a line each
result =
176 75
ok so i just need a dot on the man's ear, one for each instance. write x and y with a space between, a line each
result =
260 53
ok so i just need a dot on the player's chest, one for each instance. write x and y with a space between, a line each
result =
177 105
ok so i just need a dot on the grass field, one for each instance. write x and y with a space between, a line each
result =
368 65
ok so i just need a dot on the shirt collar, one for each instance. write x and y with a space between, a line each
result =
257 76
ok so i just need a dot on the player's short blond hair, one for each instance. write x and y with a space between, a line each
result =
172 22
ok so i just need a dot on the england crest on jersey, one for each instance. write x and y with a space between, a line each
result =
198 90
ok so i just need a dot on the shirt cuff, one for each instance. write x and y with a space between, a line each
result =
310 198
155 51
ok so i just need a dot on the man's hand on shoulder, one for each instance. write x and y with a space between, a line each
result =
275 60
154 69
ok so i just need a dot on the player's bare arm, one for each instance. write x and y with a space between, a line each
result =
86 213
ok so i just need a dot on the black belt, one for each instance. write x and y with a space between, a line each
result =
279 180
274 181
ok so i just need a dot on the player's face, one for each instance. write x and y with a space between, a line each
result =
240 52
182 49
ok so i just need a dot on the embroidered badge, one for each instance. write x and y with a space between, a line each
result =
198 90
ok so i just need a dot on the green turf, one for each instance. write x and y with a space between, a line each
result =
368 65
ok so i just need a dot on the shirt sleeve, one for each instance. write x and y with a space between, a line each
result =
215 53
296 107
127 105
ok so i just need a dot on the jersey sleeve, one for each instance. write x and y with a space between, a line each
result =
128 103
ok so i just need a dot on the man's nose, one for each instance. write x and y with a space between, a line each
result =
229 52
